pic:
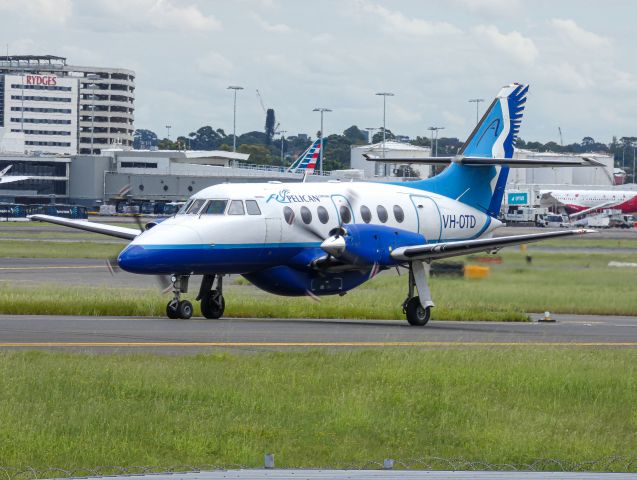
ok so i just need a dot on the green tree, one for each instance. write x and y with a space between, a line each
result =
166 144
259 154
355 135
207 138
378 136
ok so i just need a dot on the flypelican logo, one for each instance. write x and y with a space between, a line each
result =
284 196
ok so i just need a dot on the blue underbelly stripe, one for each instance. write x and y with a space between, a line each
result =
222 246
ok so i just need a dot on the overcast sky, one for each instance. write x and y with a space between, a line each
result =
578 56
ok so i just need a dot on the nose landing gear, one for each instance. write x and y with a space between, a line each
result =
177 308
212 301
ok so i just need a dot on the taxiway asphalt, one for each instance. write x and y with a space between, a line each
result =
159 335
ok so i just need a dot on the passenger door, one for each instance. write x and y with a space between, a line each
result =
429 224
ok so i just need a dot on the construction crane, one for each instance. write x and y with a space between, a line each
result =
261 100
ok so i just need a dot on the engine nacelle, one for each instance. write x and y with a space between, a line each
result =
369 244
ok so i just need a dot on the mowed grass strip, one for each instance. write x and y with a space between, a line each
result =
560 283
44 249
317 408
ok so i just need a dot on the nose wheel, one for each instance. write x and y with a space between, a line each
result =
212 302
178 308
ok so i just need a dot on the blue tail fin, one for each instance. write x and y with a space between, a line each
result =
482 187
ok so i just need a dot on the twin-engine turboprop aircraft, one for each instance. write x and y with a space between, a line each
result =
327 238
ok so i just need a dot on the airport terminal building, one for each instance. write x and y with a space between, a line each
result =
40 95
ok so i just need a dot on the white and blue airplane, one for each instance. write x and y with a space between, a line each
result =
327 238
4 178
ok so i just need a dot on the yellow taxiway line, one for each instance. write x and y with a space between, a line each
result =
57 267
318 344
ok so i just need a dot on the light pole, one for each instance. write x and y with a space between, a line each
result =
384 95
370 135
282 132
322 110
234 117
434 147
92 86
477 102
168 127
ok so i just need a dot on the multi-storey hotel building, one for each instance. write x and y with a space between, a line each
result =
50 98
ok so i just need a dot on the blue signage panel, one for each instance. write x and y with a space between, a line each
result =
518 198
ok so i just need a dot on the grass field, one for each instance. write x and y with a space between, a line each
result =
317 408
513 288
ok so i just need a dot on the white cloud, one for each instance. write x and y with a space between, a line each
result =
582 38
491 7
160 14
518 47
164 14
49 11
396 22
272 27
214 63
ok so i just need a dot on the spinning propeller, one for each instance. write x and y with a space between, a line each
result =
113 267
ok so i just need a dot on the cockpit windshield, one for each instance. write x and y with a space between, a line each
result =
215 207
195 207
203 206
185 208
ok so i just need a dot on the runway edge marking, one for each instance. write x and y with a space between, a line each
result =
317 344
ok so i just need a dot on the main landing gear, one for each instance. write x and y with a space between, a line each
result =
212 301
417 309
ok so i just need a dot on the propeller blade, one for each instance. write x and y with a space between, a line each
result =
312 296
164 283
112 265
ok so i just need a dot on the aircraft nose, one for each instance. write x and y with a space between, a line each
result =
160 250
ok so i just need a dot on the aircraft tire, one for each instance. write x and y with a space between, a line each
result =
213 305
185 309
416 314
172 312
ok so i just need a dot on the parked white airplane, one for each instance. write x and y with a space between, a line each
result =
580 202
14 178
327 238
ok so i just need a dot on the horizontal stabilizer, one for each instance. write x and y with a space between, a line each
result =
479 161
111 230
463 247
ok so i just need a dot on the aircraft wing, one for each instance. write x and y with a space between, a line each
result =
509 162
113 231
13 178
591 209
463 247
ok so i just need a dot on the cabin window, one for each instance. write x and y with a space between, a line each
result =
346 215
236 208
216 207
323 216
288 214
306 215
253 207
382 213
399 215
195 207
366 214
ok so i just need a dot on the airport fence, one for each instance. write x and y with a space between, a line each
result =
610 464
